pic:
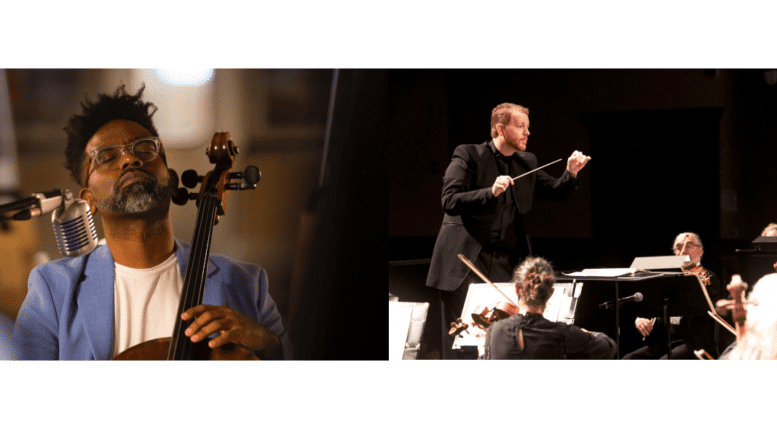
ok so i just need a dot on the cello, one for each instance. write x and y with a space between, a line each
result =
211 203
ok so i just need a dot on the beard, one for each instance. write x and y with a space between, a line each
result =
137 197
515 145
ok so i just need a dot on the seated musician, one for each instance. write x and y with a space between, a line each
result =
759 341
528 335
770 230
691 332
730 340
94 306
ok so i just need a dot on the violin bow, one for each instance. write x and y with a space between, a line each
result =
720 320
482 276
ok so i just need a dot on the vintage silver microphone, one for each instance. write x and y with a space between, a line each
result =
74 226
72 219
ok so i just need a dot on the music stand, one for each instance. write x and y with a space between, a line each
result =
766 244
406 327
759 261
675 296
660 263
661 285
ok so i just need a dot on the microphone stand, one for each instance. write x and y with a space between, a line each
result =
32 206
16 206
617 324
668 326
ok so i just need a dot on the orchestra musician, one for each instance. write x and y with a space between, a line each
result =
730 340
770 230
692 332
528 335
759 340
484 207
94 306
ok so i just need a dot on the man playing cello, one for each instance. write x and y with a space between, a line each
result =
94 306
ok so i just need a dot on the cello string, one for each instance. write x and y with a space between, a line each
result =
179 345
200 261
194 297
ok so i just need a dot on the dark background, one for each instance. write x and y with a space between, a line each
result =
672 151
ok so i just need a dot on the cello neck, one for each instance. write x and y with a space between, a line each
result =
181 348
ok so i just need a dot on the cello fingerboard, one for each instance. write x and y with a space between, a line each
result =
181 347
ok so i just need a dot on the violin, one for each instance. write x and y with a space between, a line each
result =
702 273
739 313
211 203
484 317
458 327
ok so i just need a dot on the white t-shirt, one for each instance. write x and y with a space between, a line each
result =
145 303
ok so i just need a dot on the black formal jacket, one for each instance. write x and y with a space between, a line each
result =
471 209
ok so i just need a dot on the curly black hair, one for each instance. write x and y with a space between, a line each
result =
80 128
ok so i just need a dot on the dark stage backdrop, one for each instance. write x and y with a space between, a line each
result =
672 151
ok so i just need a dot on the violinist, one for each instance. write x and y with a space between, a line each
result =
528 335
692 332
721 305
770 230
759 340
94 306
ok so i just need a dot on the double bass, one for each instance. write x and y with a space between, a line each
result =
211 203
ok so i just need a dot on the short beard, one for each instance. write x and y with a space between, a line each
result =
512 145
138 197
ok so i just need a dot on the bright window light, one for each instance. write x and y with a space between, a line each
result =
184 77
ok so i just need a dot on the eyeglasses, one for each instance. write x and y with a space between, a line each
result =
689 244
109 157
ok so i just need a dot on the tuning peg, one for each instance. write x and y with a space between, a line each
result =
182 196
250 175
190 178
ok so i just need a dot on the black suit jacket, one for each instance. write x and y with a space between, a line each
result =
470 207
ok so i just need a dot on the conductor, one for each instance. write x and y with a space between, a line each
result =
484 200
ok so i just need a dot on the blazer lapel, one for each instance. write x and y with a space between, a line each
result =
95 299
522 189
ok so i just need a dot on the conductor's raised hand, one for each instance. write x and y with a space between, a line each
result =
232 327
576 162
501 184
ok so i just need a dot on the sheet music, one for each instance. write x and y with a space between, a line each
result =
605 273
399 324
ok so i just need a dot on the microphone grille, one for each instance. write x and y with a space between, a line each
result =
637 297
74 229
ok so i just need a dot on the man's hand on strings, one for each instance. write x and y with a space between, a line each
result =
576 162
232 327
501 184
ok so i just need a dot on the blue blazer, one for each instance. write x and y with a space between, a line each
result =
68 313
